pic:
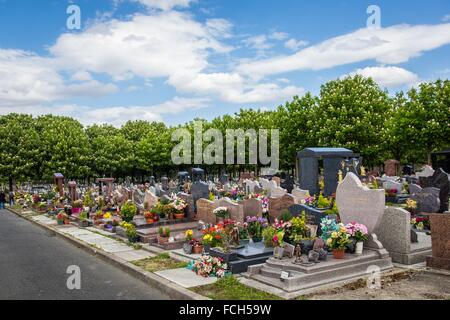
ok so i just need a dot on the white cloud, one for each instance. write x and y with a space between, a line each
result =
165 5
294 44
116 115
392 45
280 36
259 42
27 79
390 77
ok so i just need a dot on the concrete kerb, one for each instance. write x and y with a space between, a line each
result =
167 287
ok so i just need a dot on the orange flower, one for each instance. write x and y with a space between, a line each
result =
218 237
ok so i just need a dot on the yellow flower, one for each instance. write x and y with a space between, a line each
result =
189 233
334 234
329 241
107 216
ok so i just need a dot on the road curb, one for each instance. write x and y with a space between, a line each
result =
173 290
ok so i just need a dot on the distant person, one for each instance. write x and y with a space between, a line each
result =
2 200
11 198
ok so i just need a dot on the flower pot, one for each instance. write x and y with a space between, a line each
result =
163 240
197 249
351 247
60 222
339 253
149 221
178 216
359 247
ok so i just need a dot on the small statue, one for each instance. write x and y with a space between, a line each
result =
363 171
234 236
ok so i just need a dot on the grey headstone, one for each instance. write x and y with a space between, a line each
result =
427 200
441 181
199 190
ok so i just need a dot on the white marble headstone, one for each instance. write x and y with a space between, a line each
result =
358 203
427 171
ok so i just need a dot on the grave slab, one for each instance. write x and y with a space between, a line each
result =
185 277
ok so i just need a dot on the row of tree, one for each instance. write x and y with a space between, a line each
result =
353 113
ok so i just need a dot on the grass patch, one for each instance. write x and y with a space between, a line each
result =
161 262
229 288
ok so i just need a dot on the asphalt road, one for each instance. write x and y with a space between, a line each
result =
33 265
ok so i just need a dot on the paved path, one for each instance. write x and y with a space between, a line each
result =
33 265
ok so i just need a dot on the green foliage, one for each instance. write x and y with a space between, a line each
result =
322 202
285 216
128 211
268 234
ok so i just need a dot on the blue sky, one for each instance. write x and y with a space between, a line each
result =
174 60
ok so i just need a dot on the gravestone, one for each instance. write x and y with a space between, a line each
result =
427 200
391 167
205 210
265 184
198 175
150 200
276 191
152 181
199 190
250 186
427 171
288 184
389 185
73 191
252 207
164 183
439 180
280 204
300 194
58 179
440 239
190 208
277 181
235 210
414 188
313 216
224 179
358 203
394 232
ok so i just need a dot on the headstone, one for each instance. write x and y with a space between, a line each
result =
414 188
441 181
205 210
198 175
427 171
199 190
152 181
258 190
427 200
252 207
391 167
313 216
224 179
235 210
395 233
190 209
250 186
150 200
300 194
277 181
280 204
288 250
440 238
358 203
390 185
276 191
165 183
73 191
265 184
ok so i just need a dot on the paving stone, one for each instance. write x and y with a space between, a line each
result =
134 255
185 277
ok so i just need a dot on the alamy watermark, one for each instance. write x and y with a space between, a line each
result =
73 22
74 280
235 146
374 279
374 20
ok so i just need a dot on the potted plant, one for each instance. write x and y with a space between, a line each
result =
131 232
187 246
359 233
77 206
255 226
197 246
221 213
128 211
83 223
149 217
268 235
61 218
411 206
339 241
278 243
163 235
178 208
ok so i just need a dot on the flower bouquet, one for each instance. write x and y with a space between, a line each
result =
359 233
209 266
